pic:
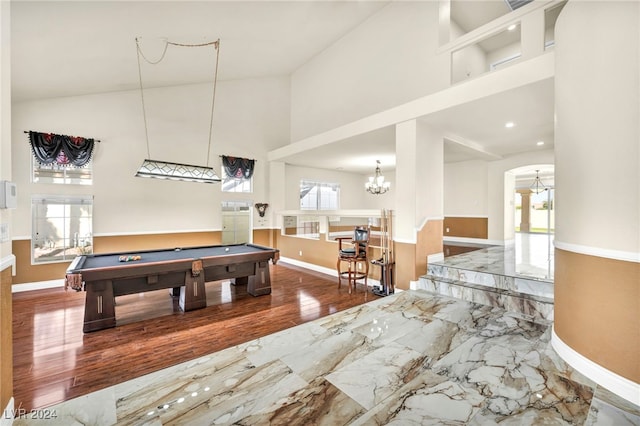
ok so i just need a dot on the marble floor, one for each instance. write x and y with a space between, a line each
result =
531 256
412 358
534 255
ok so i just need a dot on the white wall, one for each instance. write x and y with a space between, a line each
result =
386 61
598 203
469 62
251 117
503 53
5 113
465 188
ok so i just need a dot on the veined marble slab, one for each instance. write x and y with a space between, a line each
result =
495 267
409 358
535 307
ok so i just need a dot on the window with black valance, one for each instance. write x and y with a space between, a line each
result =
62 150
238 168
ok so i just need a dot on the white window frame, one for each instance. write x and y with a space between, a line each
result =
57 174
321 202
70 245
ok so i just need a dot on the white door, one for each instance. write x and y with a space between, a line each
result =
236 222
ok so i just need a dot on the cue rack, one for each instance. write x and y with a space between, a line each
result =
386 262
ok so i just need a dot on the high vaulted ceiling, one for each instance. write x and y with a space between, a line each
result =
52 40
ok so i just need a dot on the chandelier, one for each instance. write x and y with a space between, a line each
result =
537 186
175 171
376 184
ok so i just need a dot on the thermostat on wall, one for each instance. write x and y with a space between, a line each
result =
8 195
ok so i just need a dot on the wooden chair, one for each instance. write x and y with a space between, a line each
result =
354 250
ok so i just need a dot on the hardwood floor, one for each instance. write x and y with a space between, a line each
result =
54 361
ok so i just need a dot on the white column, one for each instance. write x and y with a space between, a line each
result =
597 179
597 135
532 34
419 177
405 220
525 214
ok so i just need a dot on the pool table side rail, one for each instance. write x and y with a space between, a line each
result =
133 269
171 249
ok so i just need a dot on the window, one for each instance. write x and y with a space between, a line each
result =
55 173
319 195
235 184
62 228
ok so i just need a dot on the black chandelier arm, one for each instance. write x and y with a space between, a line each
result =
537 184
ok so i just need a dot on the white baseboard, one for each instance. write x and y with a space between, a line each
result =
622 387
39 285
8 414
311 266
482 241
626 256
321 269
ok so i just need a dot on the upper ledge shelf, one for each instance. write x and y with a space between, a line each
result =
498 25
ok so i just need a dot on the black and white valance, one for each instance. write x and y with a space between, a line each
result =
62 150
238 168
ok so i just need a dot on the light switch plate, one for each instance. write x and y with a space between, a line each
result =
8 195
4 232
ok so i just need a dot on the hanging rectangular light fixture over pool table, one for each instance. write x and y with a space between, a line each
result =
176 171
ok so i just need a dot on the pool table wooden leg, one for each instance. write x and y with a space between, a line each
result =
192 293
99 308
260 283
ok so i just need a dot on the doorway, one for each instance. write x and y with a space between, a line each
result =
535 222
236 222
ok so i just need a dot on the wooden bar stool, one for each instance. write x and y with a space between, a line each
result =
354 250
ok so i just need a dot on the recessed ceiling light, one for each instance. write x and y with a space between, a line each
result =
512 27
540 143
509 124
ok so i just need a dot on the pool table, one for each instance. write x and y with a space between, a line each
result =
185 270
